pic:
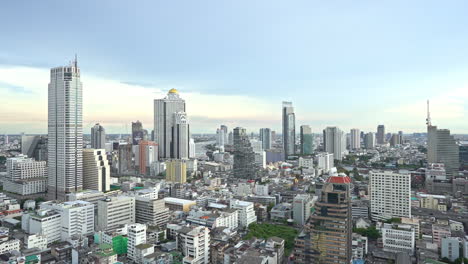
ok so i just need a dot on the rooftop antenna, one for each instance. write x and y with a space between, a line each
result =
428 119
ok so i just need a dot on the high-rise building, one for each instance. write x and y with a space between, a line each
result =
442 148
151 211
164 110
289 129
176 170
380 134
115 211
307 140
138 133
390 195
147 154
302 204
355 139
96 170
136 236
369 140
244 156
224 128
325 161
124 164
334 141
180 136
265 138
34 147
326 238
395 140
25 176
77 217
65 132
192 150
400 136
194 243
98 137
231 138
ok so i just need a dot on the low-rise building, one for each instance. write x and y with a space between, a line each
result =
398 238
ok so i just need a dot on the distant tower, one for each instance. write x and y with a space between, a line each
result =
98 137
380 134
138 132
442 148
369 140
164 110
355 139
334 141
307 140
244 156
65 132
265 138
289 129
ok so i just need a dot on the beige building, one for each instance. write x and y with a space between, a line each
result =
115 211
176 170
96 170
176 204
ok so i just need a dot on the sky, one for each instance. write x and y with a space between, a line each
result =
351 64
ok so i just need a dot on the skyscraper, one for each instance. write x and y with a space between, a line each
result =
225 129
96 170
289 129
326 238
244 156
176 171
147 155
334 141
137 132
164 110
380 134
307 140
369 140
98 137
355 139
390 195
442 148
65 132
265 137
220 137
180 136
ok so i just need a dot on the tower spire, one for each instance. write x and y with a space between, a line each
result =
76 60
428 119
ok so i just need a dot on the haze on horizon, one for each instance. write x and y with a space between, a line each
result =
342 63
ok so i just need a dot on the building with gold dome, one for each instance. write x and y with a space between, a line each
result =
171 128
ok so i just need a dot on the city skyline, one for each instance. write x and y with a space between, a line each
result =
383 74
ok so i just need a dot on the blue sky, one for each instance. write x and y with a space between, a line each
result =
343 63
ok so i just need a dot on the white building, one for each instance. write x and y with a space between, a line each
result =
325 161
306 162
115 211
151 211
355 139
164 110
192 150
194 242
65 132
302 204
9 245
450 248
136 236
390 195
47 222
246 212
36 241
334 141
96 170
398 238
180 136
77 217
261 189
25 176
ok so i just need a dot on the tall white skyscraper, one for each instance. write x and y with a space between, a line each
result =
98 137
334 141
369 140
164 110
355 139
180 136
220 137
192 145
289 129
65 132
390 195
